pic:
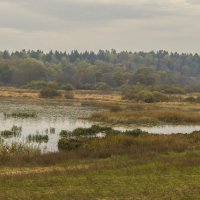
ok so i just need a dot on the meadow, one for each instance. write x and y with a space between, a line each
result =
115 167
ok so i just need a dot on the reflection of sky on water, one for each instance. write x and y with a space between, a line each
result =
165 129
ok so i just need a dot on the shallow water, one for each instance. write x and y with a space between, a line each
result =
165 129
62 117
50 120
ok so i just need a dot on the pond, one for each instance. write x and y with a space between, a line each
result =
52 118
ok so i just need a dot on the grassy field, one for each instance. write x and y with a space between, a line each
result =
112 178
10 92
117 167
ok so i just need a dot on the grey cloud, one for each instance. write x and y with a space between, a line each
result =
193 1
98 11
94 24
60 15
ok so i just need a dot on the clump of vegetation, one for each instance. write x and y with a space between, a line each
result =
20 115
69 144
76 138
17 149
14 132
38 138
67 87
92 131
49 93
174 89
66 134
144 95
102 86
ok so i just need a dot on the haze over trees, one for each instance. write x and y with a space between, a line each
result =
103 70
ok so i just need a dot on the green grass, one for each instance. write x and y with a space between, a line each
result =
113 178
38 138
13 132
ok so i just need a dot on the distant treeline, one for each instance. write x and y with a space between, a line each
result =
102 70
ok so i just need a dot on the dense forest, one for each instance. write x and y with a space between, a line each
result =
102 70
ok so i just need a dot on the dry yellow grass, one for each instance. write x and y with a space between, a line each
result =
98 97
17 93
10 92
147 117
39 170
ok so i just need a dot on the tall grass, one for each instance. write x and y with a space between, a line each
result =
38 138
20 115
147 117
14 132
140 148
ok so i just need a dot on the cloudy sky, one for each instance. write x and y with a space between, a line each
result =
100 24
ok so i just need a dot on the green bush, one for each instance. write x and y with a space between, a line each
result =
128 94
159 97
69 144
145 96
173 90
14 132
102 86
49 93
67 87
36 85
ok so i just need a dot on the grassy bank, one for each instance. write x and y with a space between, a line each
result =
114 167
147 117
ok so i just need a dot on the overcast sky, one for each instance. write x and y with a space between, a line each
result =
133 25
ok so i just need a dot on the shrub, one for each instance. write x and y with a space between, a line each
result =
36 84
69 144
65 133
159 97
174 90
128 93
67 87
102 86
49 93
145 96
52 85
